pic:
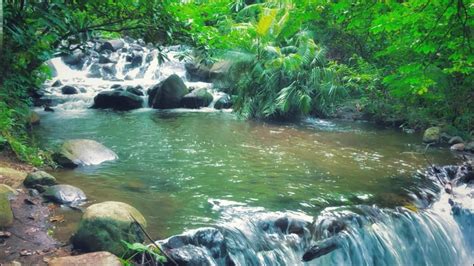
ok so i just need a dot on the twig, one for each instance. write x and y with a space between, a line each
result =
152 241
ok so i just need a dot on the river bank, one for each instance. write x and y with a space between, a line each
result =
28 239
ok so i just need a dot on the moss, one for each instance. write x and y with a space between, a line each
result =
6 215
104 234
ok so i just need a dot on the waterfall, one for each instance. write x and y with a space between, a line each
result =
441 234
131 65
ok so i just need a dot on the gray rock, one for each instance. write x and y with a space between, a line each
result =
196 99
455 140
112 45
168 93
96 258
470 147
69 90
65 194
94 71
78 152
57 83
75 60
224 102
118 100
458 147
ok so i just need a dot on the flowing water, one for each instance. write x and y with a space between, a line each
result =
185 169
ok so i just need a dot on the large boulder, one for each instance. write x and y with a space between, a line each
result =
68 90
78 152
117 100
432 135
95 71
6 215
196 99
104 226
65 194
38 179
112 45
95 258
168 93
470 147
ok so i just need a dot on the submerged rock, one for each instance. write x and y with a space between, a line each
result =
168 93
38 179
95 258
65 194
69 90
105 224
117 100
83 152
432 135
196 99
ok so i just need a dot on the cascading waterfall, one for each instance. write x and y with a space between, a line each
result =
441 234
132 65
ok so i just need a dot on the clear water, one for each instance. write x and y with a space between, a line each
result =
184 169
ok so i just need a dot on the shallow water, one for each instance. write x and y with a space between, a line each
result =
172 162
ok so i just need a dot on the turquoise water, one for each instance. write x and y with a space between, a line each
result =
171 163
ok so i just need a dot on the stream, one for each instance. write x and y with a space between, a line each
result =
186 169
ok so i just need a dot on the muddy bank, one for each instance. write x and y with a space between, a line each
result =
27 240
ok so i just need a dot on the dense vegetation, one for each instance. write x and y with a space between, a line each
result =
405 63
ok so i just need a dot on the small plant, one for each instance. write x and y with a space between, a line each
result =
142 254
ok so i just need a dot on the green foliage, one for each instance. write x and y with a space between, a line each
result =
151 255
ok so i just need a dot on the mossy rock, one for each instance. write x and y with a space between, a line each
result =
432 135
39 178
82 152
9 191
197 98
6 215
12 177
105 225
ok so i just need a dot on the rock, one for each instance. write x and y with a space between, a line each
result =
112 45
105 224
321 248
224 102
105 60
48 109
445 137
6 215
109 70
432 135
138 90
83 152
68 90
469 147
137 60
57 83
197 72
458 147
65 194
455 140
115 86
34 118
12 177
38 179
118 100
7 190
136 47
94 71
168 93
220 69
76 59
191 255
196 99
52 69
96 258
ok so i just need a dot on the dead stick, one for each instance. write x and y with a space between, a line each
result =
152 241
